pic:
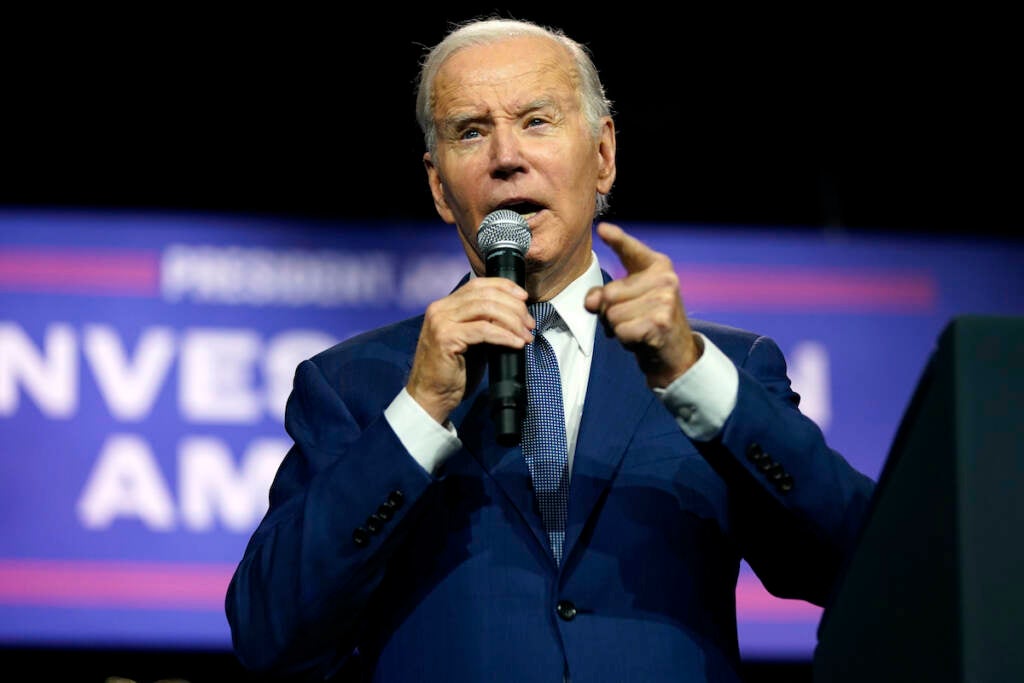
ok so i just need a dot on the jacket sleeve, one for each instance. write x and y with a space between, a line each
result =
341 501
797 506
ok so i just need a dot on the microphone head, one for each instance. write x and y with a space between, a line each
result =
503 229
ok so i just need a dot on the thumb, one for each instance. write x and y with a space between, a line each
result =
634 254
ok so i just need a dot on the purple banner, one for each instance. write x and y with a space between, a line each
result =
145 360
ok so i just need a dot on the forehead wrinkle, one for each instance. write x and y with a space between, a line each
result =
458 119
512 74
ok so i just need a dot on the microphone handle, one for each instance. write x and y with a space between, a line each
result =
506 366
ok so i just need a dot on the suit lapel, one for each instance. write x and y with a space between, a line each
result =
617 398
506 465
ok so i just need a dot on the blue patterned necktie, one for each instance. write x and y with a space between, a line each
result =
544 442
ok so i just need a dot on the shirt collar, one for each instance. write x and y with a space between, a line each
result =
580 322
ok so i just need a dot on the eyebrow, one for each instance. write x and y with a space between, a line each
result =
460 121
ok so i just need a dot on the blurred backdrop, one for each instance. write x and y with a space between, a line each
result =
191 202
852 118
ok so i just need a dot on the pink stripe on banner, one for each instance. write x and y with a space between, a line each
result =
754 603
202 587
80 271
791 288
139 585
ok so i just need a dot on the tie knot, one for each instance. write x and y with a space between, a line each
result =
544 313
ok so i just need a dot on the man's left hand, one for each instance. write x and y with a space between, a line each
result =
645 309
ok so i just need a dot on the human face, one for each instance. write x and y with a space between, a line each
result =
511 134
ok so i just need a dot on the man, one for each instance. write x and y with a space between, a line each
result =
403 543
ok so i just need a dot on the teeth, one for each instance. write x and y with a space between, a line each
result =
528 216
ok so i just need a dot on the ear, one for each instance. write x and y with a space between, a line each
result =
437 189
606 156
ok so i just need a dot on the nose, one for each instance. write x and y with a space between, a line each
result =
506 152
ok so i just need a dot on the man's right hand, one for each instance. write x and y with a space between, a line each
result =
486 310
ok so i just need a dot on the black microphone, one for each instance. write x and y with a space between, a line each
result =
504 239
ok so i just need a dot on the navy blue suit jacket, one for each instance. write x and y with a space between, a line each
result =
366 567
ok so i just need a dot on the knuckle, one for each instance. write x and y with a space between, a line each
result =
662 318
433 309
661 261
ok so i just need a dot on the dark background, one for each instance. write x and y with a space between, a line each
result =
849 120
853 120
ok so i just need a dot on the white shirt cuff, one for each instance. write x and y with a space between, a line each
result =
703 397
428 442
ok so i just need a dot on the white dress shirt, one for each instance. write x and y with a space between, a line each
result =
701 399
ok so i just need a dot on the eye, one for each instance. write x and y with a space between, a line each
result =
469 134
535 121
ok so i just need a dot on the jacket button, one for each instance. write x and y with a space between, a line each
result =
566 610
785 484
361 537
385 511
374 523
396 498
754 452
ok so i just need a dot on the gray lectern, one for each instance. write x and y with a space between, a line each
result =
935 591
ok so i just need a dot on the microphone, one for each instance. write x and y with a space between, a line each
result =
504 239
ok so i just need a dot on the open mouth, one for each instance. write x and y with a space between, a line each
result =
525 209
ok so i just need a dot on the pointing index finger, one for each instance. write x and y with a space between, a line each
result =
634 254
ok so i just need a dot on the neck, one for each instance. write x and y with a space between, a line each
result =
543 284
